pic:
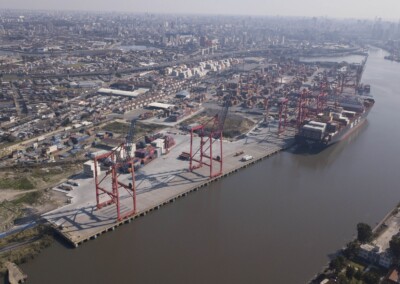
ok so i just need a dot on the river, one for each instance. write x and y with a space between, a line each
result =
275 222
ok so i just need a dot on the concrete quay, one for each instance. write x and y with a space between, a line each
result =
15 274
158 183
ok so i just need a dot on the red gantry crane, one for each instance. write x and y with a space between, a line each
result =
120 160
210 150
283 110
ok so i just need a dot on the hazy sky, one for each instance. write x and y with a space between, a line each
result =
389 9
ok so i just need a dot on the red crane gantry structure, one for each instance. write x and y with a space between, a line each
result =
283 109
206 154
120 160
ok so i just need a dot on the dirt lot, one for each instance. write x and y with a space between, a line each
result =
25 192
234 125
122 128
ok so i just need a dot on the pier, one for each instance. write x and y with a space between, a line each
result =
159 183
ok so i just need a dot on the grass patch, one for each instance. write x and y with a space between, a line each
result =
46 172
25 253
356 265
28 198
122 128
21 183
145 129
234 124
116 127
201 117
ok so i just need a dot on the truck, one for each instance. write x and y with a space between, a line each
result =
65 187
70 182
239 153
246 158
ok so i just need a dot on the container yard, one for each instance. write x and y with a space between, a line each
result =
266 108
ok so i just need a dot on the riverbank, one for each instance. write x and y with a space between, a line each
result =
348 257
24 246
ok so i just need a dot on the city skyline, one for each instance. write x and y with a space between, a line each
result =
386 9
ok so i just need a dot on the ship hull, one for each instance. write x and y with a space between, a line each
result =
342 134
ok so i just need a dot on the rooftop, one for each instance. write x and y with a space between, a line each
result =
105 91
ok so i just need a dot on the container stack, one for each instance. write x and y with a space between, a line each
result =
88 168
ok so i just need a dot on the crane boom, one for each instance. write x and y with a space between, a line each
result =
222 115
129 138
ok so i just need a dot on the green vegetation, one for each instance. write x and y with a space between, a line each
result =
122 128
348 268
65 122
117 127
395 246
21 183
371 277
28 198
145 129
47 174
351 250
350 272
234 124
364 232
337 264
38 238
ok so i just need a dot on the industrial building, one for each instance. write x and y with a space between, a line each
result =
131 94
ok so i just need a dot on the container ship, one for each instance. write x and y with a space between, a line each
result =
335 122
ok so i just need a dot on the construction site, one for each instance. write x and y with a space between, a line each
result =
243 118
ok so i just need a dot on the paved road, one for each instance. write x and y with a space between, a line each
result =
17 229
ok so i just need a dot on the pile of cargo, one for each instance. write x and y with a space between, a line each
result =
89 168
332 127
169 142
145 155
314 130
146 115
164 142
352 104
340 118
184 156
65 187
150 138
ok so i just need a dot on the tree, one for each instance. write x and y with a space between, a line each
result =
351 250
364 232
358 275
65 122
337 264
342 279
350 271
371 278
394 245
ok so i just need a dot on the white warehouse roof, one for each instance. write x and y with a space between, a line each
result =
105 91
160 105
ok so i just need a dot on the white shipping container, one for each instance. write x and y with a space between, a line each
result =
158 143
